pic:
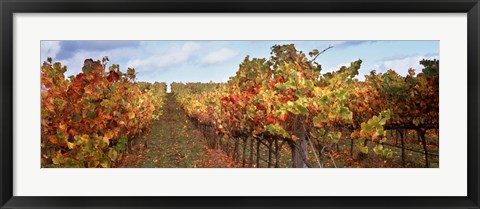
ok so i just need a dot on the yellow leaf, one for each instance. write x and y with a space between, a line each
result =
93 164
63 127
416 121
131 115
384 139
355 134
109 135
71 145
52 139
106 140
85 138
362 133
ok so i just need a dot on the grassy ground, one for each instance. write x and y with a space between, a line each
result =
174 142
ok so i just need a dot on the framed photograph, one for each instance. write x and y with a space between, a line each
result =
238 104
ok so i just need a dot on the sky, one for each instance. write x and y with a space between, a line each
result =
205 61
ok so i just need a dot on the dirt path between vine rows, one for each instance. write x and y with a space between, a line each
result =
174 142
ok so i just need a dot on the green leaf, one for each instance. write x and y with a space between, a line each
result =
383 121
336 136
375 119
58 159
280 86
104 162
71 145
378 149
380 131
345 113
276 129
78 140
318 120
388 153
302 109
309 83
122 143
324 99
363 149
93 163
366 127
69 162
92 115
60 136
113 154
384 139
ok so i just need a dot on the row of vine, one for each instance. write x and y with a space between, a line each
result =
89 120
287 100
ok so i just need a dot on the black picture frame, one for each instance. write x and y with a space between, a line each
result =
9 7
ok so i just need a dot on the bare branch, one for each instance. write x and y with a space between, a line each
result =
329 47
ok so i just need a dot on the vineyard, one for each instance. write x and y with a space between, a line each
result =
279 112
90 119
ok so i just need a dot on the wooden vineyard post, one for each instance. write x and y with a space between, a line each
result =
219 140
276 153
213 139
227 147
299 146
270 153
245 140
403 147
421 135
235 149
258 153
251 152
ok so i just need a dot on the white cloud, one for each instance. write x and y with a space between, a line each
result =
173 56
402 65
49 49
144 59
219 56
338 67
342 44
75 63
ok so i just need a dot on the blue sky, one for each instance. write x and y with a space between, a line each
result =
204 61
